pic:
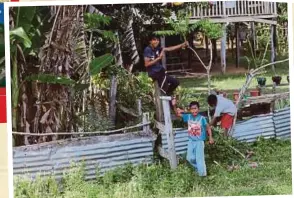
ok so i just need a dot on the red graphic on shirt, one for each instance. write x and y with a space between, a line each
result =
194 129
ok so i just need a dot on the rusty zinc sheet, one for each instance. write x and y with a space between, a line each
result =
282 123
276 124
97 153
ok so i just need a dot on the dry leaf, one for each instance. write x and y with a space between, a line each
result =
27 127
48 129
45 117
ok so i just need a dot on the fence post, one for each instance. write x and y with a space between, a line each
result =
169 131
139 107
158 103
146 128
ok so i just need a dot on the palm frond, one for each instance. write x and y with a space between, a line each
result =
166 33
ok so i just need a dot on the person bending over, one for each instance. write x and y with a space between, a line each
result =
225 109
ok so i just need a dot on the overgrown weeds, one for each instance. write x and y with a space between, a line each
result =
271 176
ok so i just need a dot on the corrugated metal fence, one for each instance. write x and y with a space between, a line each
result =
107 152
99 152
276 124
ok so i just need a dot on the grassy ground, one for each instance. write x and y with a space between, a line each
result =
271 177
196 89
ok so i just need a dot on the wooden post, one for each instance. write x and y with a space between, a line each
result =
169 131
158 103
113 92
237 44
162 43
273 50
139 107
146 128
223 49
273 102
253 38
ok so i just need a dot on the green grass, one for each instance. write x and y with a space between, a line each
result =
271 177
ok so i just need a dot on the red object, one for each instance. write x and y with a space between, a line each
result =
14 0
226 121
3 116
254 93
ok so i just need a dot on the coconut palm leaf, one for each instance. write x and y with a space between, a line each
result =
129 43
97 64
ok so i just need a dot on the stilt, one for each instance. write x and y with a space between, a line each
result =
253 38
162 43
237 44
223 49
273 46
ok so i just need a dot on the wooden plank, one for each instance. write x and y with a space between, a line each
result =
246 8
255 8
159 126
258 19
163 153
179 70
223 49
253 38
273 50
237 44
146 119
158 103
268 98
266 21
169 132
224 9
139 107
243 7
263 7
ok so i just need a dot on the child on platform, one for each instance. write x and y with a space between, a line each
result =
197 130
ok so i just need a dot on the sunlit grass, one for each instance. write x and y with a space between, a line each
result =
271 177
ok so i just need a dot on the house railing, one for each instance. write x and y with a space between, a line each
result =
234 9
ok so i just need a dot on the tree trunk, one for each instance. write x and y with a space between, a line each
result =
54 104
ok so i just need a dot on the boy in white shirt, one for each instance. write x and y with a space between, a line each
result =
225 109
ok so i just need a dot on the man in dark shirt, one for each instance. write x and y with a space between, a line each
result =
153 62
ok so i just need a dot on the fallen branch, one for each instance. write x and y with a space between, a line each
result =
237 151
249 77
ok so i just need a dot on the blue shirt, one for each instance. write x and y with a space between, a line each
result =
153 54
196 126
1 13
